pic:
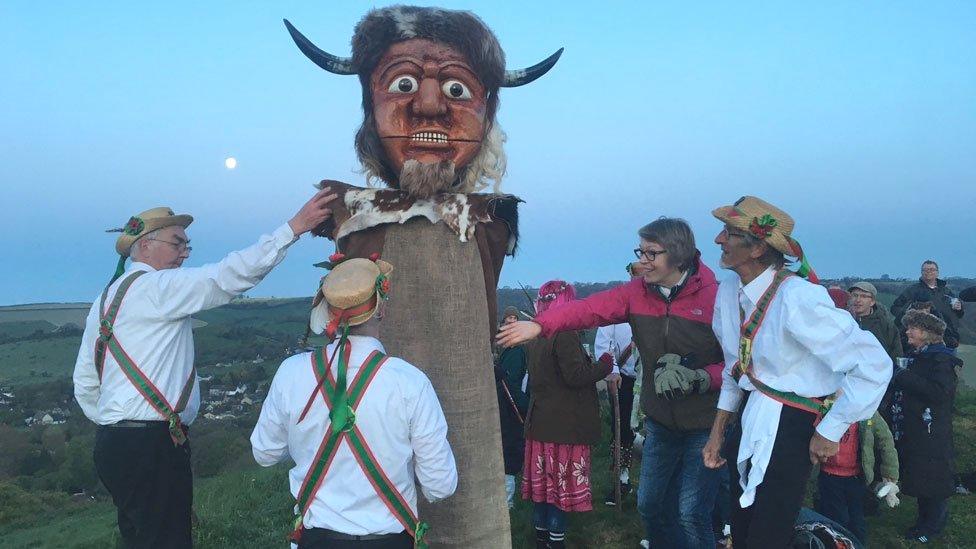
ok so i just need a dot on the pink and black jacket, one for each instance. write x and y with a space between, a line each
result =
682 325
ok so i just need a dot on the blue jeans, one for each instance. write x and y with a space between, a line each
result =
677 492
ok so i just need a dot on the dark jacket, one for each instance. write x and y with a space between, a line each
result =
513 404
882 325
563 405
681 325
939 297
925 451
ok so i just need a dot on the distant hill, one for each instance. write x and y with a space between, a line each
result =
57 314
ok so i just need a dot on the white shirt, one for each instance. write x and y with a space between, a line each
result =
805 345
401 421
614 339
155 329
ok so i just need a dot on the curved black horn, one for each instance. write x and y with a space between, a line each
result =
329 62
522 77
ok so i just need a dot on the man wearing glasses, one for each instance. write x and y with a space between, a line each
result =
933 289
787 348
669 308
134 375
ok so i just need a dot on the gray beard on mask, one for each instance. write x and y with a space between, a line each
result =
425 180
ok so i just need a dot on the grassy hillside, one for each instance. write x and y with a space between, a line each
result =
241 505
250 507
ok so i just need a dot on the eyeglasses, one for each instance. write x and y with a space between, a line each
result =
729 233
651 255
180 246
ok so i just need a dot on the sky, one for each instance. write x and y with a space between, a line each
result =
859 119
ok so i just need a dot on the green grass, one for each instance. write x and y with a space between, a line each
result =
56 356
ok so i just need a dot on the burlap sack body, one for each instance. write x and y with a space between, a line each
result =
435 320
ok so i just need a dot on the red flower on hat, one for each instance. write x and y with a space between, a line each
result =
762 227
374 257
134 226
337 257
383 286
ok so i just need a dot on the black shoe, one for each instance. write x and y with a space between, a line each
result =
624 490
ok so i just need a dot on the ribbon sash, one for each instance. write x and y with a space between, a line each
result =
350 432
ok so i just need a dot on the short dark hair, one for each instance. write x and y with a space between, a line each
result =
675 236
929 262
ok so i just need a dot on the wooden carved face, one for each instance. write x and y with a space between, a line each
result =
428 104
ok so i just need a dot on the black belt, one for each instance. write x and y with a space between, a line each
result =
325 533
137 423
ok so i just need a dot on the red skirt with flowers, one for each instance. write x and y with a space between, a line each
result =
558 474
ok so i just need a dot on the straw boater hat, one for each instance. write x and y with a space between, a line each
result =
769 224
140 225
350 294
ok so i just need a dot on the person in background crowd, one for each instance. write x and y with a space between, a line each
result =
512 378
838 296
873 317
135 375
614 345
670 311
925 392
562 423
933 289
844 476
787 347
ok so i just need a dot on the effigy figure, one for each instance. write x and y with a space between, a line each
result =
430 79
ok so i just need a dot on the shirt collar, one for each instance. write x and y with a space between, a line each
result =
755 289
140 266
668 292
368 343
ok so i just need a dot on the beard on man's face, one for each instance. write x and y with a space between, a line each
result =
423 180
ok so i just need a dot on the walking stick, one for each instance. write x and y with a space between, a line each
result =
615 402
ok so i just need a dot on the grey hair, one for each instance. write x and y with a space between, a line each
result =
772 256
486 168
134 252
675 236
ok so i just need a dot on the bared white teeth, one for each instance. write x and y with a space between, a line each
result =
429 137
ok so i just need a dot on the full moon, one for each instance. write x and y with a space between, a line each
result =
230 162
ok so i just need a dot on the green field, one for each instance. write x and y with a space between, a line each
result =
239 504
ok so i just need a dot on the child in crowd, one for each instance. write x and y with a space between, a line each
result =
842 478
562 423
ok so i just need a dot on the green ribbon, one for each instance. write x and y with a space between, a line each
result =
119 269
341 415
418 535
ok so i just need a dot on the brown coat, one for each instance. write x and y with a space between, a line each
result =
563 407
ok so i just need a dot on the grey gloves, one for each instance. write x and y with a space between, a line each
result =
672 380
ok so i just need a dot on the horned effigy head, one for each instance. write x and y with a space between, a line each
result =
430 80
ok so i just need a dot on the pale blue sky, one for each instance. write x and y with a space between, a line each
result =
857 118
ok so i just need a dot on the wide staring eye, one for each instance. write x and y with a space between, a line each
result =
456 90
404 84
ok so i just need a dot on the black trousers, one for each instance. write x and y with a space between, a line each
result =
150 482
769 522
933 513
626 398
319 538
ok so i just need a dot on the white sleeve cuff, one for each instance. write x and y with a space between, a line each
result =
730 398
831 428
284 236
